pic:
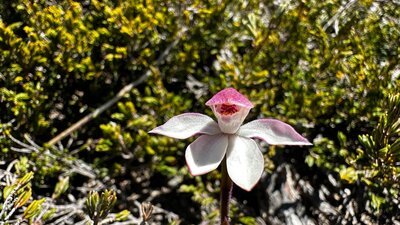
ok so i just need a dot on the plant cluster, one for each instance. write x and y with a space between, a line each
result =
328 68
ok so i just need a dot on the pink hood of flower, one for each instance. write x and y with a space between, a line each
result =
229 96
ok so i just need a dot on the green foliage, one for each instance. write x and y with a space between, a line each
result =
15 196
61 187
34 209
376 164
326 67
99 206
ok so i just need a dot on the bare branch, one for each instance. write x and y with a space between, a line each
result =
341 11
116 98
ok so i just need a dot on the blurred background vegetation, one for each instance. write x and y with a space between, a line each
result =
329 68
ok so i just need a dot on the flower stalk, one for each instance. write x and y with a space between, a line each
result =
226 193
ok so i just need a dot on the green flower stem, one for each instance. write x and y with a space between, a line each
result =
226 192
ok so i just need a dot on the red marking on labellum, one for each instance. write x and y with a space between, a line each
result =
226 109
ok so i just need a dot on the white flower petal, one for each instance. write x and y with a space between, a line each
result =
186 125
245 162
206 153
272 131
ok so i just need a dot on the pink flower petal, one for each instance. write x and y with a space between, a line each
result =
229 96
186 125
244 161
206 153
272 131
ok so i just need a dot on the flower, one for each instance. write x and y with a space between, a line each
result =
229 138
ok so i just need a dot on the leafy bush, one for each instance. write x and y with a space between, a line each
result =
328 68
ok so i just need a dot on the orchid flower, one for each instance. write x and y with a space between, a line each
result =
229 138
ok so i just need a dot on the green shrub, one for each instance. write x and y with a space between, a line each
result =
328 68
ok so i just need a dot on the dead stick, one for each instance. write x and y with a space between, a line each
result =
116 98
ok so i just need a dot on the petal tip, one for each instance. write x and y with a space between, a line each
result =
248 188
307 143
195 173
192 173
152 131
303 141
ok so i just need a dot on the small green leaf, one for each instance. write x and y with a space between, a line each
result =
21 97
23 198
61 186
123 215
33 209
25 179
348 174
7 190
377 201
342 139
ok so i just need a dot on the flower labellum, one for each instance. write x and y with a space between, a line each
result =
229 138
231 108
